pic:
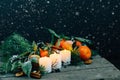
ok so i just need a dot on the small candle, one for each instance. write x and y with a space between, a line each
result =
66 56
47 63
56 61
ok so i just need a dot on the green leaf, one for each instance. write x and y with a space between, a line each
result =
75 58
15 65
52 40
53 33
34 59
42 70
34 46
64 37
58 42
7 66
94 52
3 68
83 40
27 67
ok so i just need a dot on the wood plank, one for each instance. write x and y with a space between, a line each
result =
100 69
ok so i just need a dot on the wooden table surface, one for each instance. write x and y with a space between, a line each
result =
100 69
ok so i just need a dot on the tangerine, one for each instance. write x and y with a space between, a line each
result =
59 44
43 53
78 43
85 52
67 45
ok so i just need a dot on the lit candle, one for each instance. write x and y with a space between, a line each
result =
56 61
66 56
47 63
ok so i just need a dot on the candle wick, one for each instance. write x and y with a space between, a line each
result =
57 52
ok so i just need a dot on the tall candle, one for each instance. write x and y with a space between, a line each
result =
56 61
66 56
46 63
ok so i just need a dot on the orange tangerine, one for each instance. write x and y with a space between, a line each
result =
78 43
85 52
43 53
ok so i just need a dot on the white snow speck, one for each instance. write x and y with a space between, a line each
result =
48 2
77 13
113 13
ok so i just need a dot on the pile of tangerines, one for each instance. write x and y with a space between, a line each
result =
83 51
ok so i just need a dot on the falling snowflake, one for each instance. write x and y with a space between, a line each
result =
41 27
117 38
25 10
116 20
93 37
77 13
116 6
103 6
85 21
12 23
64 26
103 34
48 2
98 43
92 9
113 13
46 12
108 2
100 0
109 50
86 36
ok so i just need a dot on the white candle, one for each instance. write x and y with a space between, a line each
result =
66 56
47 63
56 61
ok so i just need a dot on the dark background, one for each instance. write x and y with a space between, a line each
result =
97 20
